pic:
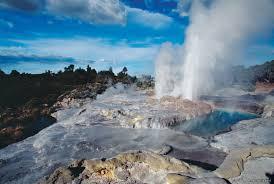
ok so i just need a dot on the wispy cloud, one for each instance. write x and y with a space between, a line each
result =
88 48
92 11
82 50
148 19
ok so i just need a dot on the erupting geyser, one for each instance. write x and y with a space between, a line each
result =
217 34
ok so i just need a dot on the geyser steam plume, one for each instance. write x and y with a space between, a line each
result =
217 34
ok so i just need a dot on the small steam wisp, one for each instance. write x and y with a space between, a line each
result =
217 35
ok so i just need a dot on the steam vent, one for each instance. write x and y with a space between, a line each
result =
136 92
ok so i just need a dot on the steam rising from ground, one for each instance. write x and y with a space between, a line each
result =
216 36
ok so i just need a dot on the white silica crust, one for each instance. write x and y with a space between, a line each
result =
246 134
86 132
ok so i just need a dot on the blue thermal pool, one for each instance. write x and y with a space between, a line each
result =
216 122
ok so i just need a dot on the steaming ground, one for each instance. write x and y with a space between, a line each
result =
96 129
216 38
84 132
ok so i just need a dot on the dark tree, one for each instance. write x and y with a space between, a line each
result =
124 70
88 69
70 68
14 73
123 74
2 73
110 69
80 70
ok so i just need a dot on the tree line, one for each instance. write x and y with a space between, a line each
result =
18 88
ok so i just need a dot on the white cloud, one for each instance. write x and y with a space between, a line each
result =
93 11
148 19
104 52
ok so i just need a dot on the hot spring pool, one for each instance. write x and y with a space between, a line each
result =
214 123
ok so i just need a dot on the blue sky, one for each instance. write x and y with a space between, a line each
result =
37 35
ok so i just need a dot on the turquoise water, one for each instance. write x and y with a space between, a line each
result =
216 122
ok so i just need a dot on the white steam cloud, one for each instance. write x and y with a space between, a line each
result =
217 35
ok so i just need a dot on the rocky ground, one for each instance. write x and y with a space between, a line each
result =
252 150
27 101
97 137
19 123
132 167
